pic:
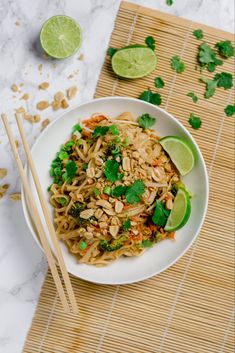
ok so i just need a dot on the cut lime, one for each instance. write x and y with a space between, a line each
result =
179 152
134 62
180 213
60 36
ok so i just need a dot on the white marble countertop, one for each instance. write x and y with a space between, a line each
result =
22 264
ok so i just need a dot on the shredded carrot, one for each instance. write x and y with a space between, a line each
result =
92 122
152 227
104 197
125 207
135 218
156 163
86 133
171 235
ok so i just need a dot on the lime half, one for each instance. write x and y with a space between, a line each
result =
134 62
179 152
60 36
180 213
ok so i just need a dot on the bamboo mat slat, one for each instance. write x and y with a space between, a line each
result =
188 308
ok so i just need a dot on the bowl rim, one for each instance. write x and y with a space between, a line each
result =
191 138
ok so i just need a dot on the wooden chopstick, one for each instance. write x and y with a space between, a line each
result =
47 217
35 216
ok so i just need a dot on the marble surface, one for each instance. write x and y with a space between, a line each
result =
22 264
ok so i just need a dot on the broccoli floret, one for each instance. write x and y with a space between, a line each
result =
75 211
114 244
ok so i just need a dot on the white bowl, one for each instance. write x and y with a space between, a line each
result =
162 255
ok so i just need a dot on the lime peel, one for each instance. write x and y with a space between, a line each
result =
180 213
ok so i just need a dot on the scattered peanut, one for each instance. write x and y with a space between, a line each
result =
71 92
42 105
43 85
118 206
113 230
15 197
3 173
104 204
87 213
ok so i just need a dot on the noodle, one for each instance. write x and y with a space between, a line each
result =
98 225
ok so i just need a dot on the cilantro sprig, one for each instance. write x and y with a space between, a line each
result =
158 82
193 96
111 170
198 33
160 214
207 57
230 110
150 42
146 121
135 191
195 121
225 48
177 64
150 97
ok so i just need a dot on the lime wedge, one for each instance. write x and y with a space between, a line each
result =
134 61
180 213
179 152
60 36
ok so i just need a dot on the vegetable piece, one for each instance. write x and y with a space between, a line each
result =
150 42
195 121
159 83
77 127
63 155
111 170
114 244
63 201
111 51
160 214
193 96
100 131
134 191
224 79
107 190
146 243
225 48
210 87
114 130
177 64
70 173
126 142
207 57
82 245
198 33
156 99
96 191
119 190
75 211
127 225
169 2
229 110
146 121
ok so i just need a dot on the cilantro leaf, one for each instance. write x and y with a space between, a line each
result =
160 214
207 57
146 96
111 51
111 170
225 48
147 243
150 97
146 121
76 127
159 83
229 110
193 96
134 191
169 2
100 131
119 190
198 33
195 121
114 130
224 79
150 42
127 225
211 86
177 64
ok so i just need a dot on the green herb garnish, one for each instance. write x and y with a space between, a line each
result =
63 201
135 191
114 130
146 243
76 127
229 110
111 170
111 51
127 225
207 57
160 214
224 79
63 155
177 64
100 131
150 42
126 142
194 121
169 2
211 86
149 96
159 83
146 121
96 191
107 190
70 173
198 33
225 48
193 96
119 191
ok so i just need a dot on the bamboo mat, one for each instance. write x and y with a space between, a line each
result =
189 307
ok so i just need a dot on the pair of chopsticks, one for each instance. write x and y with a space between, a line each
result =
36 218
